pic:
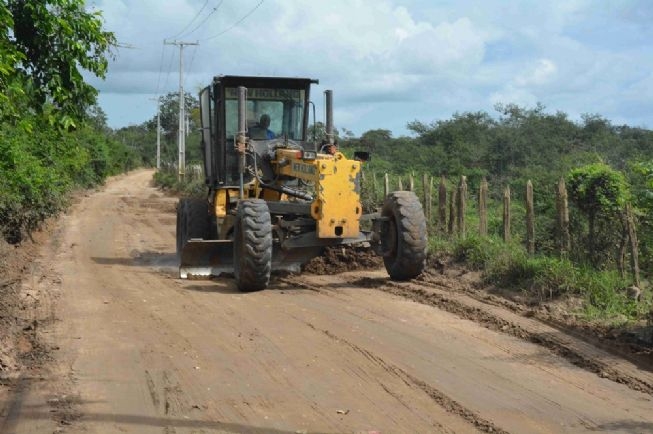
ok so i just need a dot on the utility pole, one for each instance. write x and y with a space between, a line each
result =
182 109
158 132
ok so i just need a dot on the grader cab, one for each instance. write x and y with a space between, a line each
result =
274 200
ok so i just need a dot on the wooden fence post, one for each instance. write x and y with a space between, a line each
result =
442 205
386 185
563 218
506 214
623 242
530 219
482 208
411 183
401 185
461 205
453 198
634 253
430 201
427 197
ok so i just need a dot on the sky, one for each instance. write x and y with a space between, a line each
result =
391 62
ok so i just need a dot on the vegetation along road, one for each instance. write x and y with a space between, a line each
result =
128 347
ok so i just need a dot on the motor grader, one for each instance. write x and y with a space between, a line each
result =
274 200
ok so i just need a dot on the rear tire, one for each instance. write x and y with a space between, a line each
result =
252 245
403 236
192 221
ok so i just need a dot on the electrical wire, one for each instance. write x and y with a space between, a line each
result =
237 22
169 70
158 80
191 21
214 10
190 65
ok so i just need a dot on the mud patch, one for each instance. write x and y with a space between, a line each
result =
343 258
64 409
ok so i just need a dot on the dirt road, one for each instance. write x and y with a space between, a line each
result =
134 349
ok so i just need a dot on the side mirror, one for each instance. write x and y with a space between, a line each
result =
362 156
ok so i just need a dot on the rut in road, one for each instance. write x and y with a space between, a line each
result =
442 400
505 320
544 360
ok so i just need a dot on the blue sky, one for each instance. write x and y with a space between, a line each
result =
390 62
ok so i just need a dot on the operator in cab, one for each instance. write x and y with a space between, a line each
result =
262 130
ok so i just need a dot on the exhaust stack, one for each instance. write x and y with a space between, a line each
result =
241 139
329 116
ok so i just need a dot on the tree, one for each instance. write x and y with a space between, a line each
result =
317 133
169 111
600 192
373 140
97 119
53 40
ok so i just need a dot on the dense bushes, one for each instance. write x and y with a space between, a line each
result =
47 144
39 166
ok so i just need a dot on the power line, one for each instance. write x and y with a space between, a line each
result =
190 65
237 22
158 80
172 55
191 21
214 10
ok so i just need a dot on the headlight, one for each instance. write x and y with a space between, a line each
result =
309 155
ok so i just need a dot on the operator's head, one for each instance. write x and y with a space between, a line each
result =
264 121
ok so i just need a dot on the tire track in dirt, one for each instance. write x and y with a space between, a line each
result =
502 319
584 387
448 404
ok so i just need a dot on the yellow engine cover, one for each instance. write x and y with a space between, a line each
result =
337 208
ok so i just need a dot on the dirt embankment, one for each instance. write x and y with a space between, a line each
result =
20 348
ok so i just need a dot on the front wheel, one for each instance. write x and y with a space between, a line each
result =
403 235
252 245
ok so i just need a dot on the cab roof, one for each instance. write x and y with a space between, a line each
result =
269 82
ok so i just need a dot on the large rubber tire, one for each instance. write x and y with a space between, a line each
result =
192 221
252 245
403 236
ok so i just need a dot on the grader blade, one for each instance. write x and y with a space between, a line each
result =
206 258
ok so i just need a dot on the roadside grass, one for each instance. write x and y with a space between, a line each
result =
166 178
544 278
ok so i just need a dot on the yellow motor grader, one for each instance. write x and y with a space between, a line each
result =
274 199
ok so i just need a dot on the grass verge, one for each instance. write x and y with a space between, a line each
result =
605 294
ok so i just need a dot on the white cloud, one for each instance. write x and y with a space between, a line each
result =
393 61
513 95
542 73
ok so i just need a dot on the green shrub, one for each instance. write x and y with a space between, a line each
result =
606 297
167 179
40 165
545 277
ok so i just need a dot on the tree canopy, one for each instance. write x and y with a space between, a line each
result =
44 46
53 136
